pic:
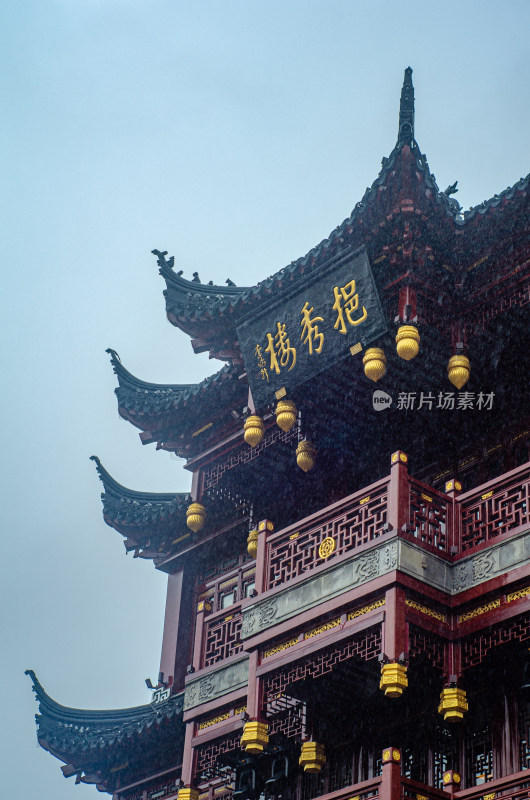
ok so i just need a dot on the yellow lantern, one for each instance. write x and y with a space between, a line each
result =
255 736
186 793
458 370
312 757
394 679
254 430
252 543
374 361
453 704
195 517
286 414
407 342
306 455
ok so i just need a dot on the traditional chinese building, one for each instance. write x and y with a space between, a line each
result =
348 599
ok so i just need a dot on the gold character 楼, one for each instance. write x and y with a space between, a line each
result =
279 349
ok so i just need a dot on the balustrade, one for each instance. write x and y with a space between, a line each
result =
496 507
348 524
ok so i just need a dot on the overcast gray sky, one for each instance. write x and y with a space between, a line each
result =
235 135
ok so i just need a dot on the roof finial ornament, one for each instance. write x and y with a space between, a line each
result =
406 110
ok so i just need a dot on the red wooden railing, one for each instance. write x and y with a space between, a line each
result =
430 515
452 524
513 787
496 507
222 636
353 521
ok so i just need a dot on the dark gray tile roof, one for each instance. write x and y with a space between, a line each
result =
69 731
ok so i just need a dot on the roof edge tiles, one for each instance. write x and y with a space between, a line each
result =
135 395
188 303
119 492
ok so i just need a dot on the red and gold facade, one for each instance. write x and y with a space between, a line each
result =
348 608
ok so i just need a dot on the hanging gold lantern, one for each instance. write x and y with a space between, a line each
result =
252 543
407 342
286 414
255 736
195 517
458 370
254 430
453 704
312 757
394 679
374 361
306 455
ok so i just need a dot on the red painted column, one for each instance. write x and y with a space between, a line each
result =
189 757
453 489
395 641
203 607
398 491
391 775
171 626
265 528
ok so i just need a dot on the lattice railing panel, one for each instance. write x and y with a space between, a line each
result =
366 645
360 519
426 644
492 511
222 638
476 647
207 754
289 721
245 454
429 515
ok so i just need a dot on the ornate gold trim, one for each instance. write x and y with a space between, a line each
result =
518 594
429 612
365 609
327 626
279 648
476 612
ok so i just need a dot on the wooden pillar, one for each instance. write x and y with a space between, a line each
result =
391 775
395 640
203 608
265 528
505 728
453 489
171 626
255 688
398 491
189 757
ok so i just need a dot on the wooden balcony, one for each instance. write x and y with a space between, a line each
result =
450 524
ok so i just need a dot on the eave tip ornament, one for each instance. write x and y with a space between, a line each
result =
254 430
407 342
312 757
394 679
374 362
195 517
286 412
255 736
458 370
453 704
